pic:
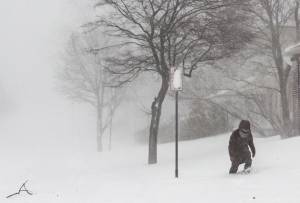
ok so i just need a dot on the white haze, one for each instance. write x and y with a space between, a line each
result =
33 115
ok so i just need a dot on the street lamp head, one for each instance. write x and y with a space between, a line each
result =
176 79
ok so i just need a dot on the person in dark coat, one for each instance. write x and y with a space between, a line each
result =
238 148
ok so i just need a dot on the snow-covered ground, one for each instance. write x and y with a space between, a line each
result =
120 176
41 143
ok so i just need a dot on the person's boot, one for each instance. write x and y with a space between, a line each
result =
234 168
247 170
247 167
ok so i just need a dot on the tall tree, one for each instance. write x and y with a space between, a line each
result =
296 76
84 79
158 34
272 17
297 20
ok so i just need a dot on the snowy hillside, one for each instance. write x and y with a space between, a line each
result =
62 176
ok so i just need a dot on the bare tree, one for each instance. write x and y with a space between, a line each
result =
296 77
273 32
239 95
264 87
273 16
297 20
158 34
85 79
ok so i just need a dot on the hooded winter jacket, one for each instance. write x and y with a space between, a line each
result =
238 147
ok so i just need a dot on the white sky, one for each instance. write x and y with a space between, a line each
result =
33 35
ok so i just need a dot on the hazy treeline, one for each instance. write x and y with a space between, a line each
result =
231 53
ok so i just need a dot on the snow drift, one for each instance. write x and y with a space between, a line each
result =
123 175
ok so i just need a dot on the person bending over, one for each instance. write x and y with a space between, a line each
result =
240 141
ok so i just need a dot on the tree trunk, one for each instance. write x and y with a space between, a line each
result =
285 114
155 118
296 99
297 21
286 121
110 128
283 74
100 130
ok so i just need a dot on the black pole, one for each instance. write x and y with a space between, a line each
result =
176 135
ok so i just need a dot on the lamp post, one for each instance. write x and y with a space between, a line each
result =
176 85
293 55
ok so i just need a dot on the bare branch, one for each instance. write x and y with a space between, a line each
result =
21 189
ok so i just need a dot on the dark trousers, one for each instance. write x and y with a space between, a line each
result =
235 164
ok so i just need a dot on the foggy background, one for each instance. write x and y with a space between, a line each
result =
50 140
33 113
